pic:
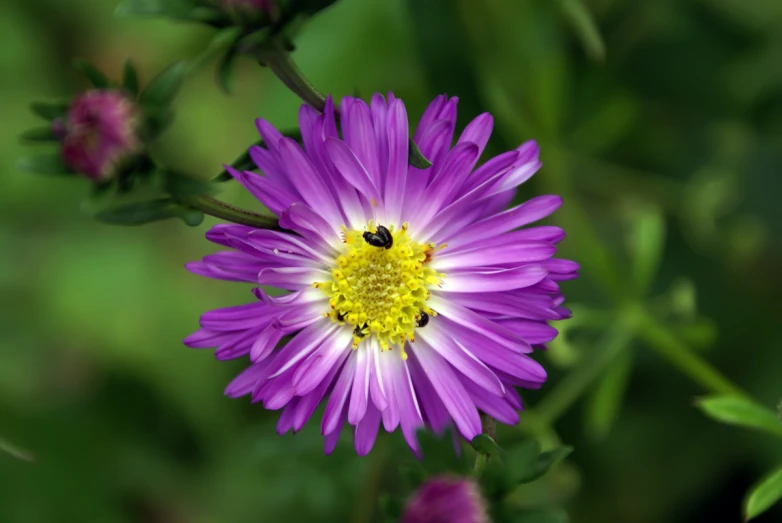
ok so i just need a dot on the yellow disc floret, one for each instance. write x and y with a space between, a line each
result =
379 285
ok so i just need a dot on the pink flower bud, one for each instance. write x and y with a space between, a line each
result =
446 500
98 133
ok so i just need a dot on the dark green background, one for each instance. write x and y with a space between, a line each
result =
684 113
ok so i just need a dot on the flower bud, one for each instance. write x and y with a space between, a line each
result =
98 133
446 500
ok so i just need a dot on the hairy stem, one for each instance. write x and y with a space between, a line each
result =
219 209
278 59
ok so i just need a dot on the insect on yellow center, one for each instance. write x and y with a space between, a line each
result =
379 285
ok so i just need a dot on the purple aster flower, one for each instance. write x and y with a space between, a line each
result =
98 133
446 500
414 299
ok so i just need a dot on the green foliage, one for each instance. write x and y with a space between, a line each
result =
416 158
44 163
162 89
93 74
130 78
763 495
741 412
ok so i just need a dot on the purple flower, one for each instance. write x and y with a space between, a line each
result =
98 133
415 299
446 500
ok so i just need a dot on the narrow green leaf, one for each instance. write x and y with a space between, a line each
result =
224 71
606 400
221 40
741 412
485 445
93 74
139 213
45 163
39 134
130 78
521 460
163 88
544 462
645 243
49 111
585 27
763 495
14 451
179 184
416 158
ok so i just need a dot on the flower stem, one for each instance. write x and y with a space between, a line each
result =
683 358
219 209
490 429
278 59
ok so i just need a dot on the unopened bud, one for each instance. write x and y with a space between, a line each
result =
446 500
98 133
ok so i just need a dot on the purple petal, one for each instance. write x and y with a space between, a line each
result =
366 431
491 280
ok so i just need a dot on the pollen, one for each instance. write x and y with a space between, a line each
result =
381 291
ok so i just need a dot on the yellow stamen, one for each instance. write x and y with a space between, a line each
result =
381 292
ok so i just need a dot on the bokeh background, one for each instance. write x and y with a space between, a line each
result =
676 119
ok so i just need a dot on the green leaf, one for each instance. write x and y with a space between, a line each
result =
734 410
763 495
224 72
521 460
486 445
130 78
139 213
416 158
179 184
46 163
645 243
605 401
585 27
221 40
93 74
14 451
39 134
50 111
163 88
543 463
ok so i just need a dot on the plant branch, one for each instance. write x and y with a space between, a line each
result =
219 209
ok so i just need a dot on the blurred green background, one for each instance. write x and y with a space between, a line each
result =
676 118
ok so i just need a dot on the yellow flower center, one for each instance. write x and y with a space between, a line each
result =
379 285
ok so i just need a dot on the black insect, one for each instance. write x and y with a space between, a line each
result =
423 320
358 331
382 238
340 316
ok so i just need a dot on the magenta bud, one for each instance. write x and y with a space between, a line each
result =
99 132
446 500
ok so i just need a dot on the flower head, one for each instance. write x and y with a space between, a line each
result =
446 500
99 131
414 299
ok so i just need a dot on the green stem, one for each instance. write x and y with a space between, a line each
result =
490 429
219 209
573 385
278 59
683 358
